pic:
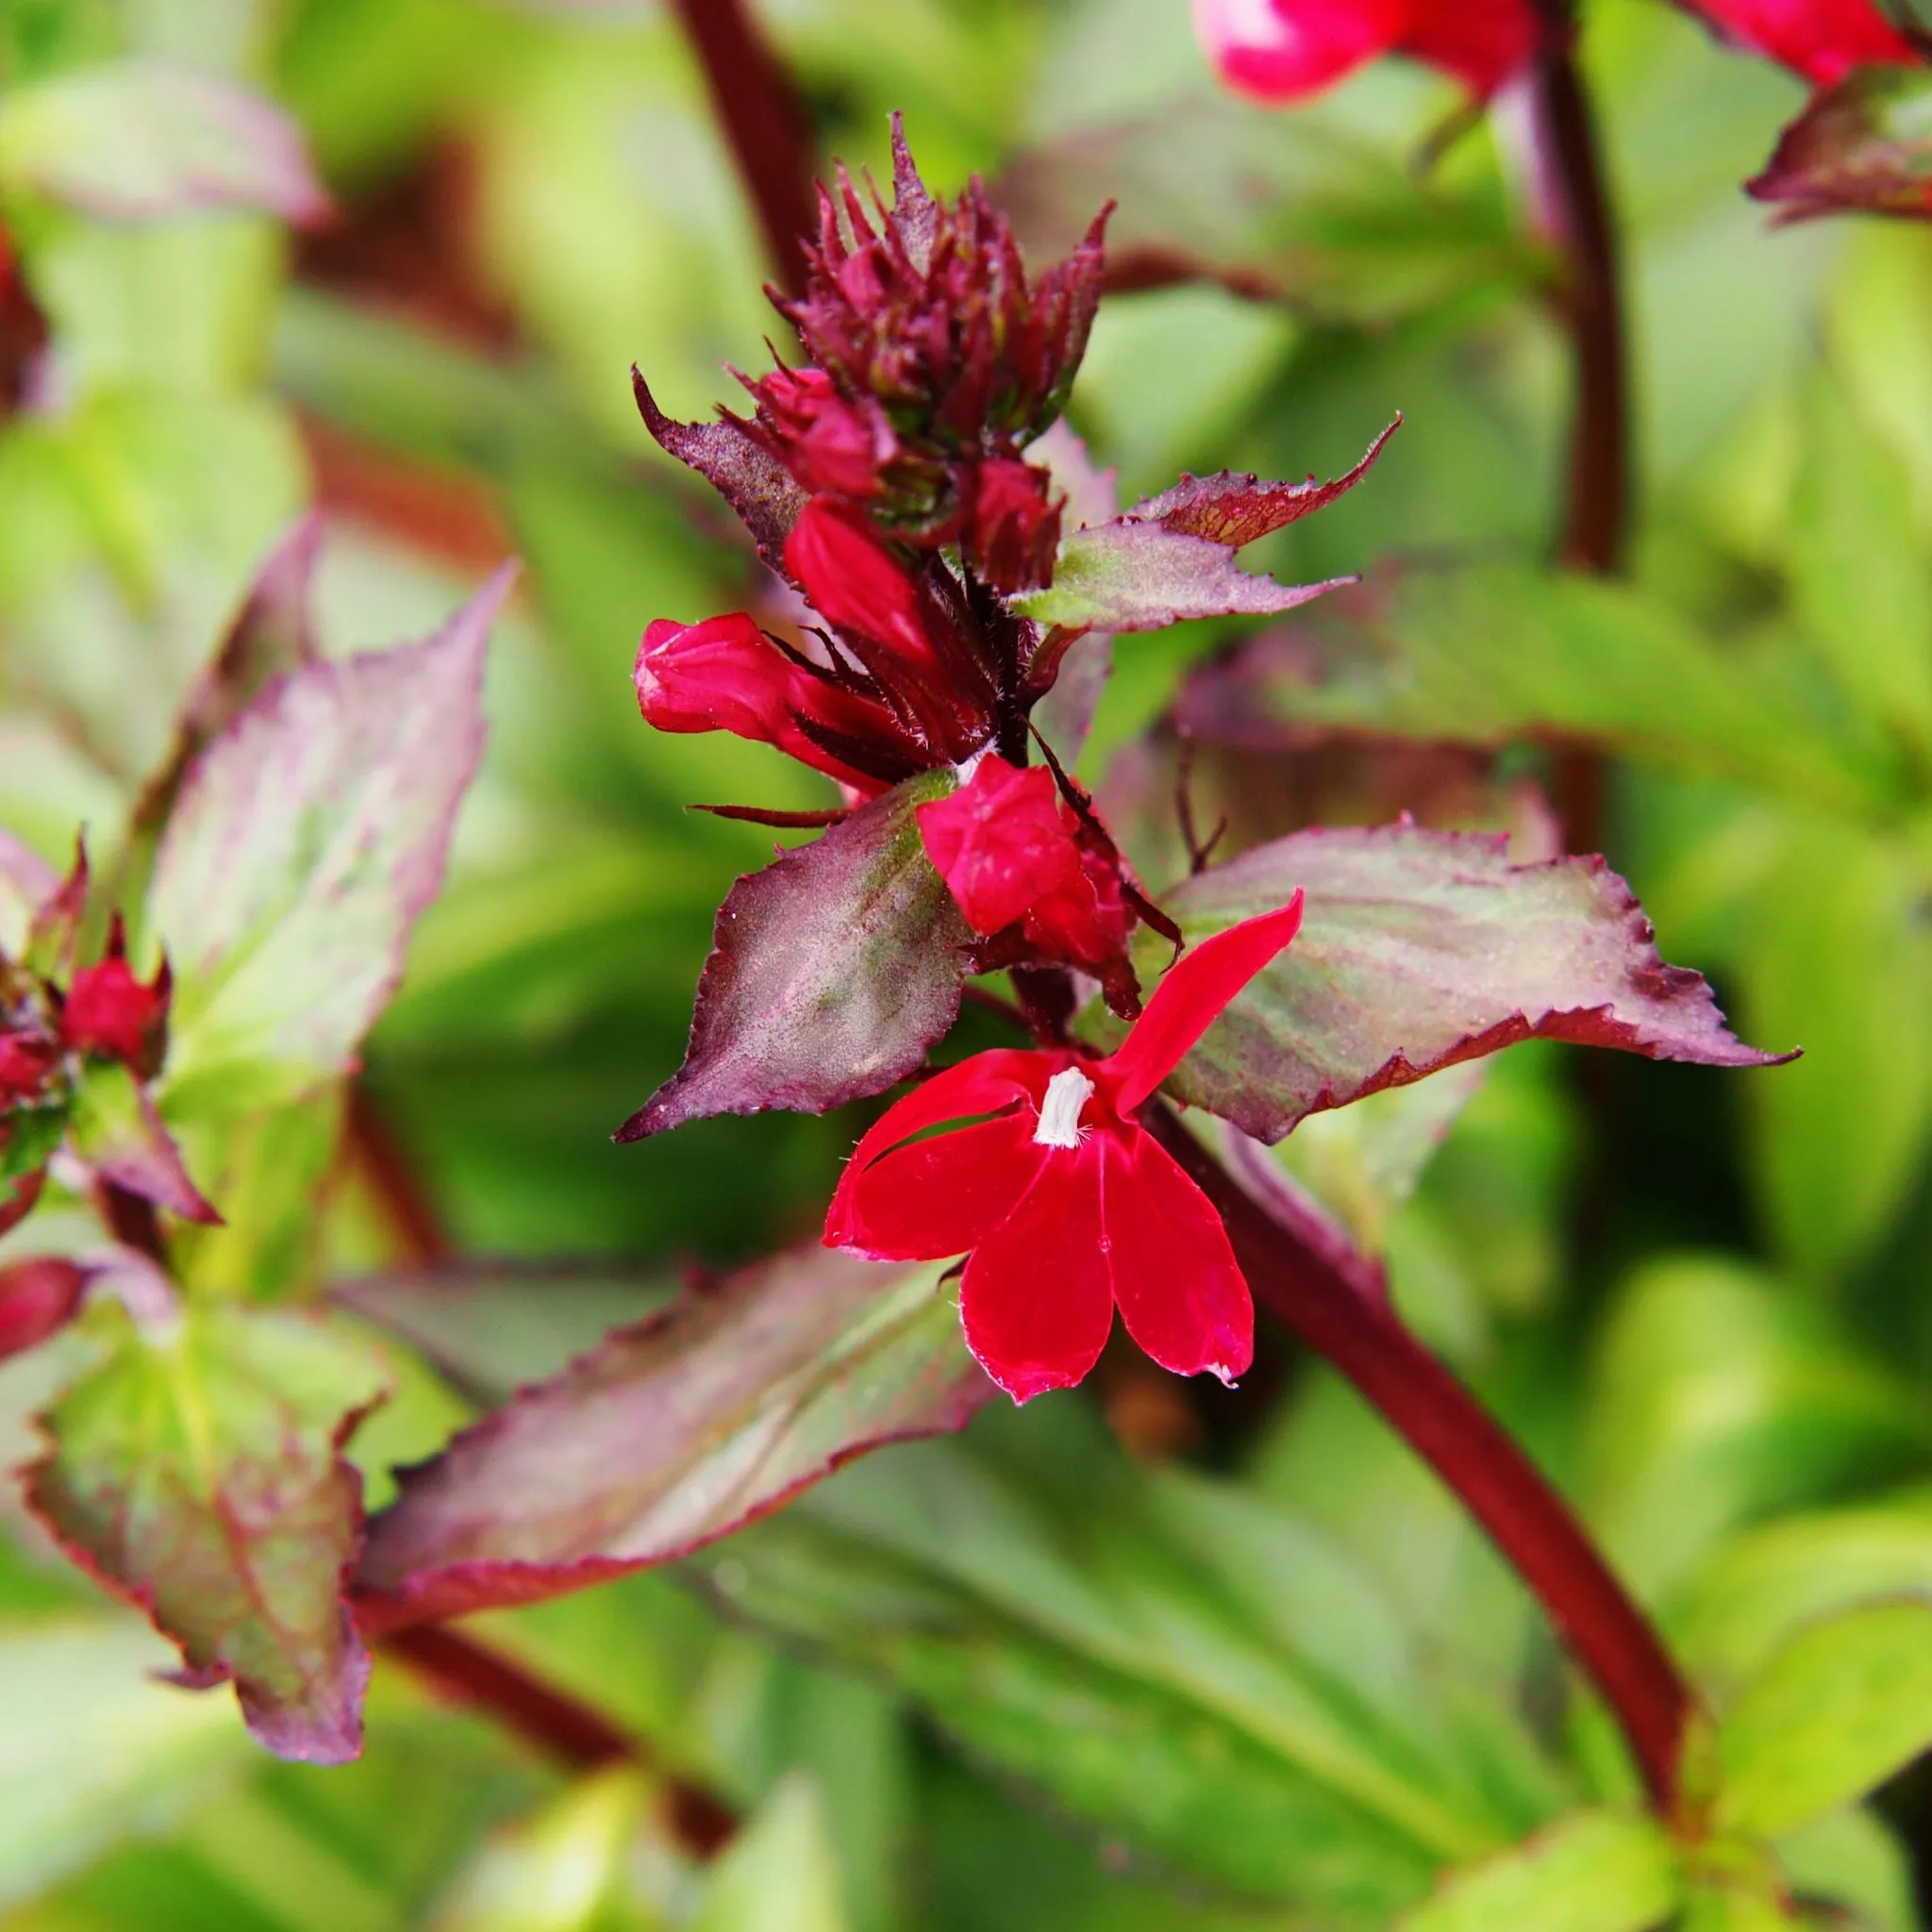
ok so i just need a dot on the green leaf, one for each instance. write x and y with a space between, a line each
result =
116 1130
306 841
1841 1708
779 1875
1834 952
1718 1396
1128 577
1188 1672
831 972
673 1433
197 1472
1419 949
94 1749
1592 1872
1858 573
1493 653
142 139
1851 1861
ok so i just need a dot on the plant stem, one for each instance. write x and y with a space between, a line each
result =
765 122
461 1671
1502 1489
1596 512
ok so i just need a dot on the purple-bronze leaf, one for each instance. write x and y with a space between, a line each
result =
305 843
142 140
1234 509
673 1433
736 465
1128 575
197 1472
116 1129
831 972
1419 949
1864 148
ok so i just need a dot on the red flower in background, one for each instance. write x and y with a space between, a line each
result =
109 1012
1285 50
1069 1207
1822 39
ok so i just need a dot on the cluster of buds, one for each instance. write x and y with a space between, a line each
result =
47 1033
931 364
888 479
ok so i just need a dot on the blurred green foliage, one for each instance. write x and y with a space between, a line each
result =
1027 1680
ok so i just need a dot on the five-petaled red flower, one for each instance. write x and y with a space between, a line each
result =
1069 1207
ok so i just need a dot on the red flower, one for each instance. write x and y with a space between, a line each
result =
27 1063
1068 1205
109 1012
1015 526
1010 852
1285 50
830 444
726 675
1822 39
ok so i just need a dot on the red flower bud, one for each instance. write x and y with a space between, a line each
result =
37 1299
1015 528
1012 852
1285 50
27 1063
109 1012
1822 39
830 444
724 675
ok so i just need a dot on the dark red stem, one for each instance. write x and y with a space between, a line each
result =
1597 497
461 1671
414 1222
1502 1489
765 122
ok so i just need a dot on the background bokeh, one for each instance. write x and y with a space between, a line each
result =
1056 1676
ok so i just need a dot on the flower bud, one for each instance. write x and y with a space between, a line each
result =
108 1011
1015 528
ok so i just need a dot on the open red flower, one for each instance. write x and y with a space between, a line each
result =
1822 39
1069 1207
1285 50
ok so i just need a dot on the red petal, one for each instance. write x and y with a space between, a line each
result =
1823 39
999 843
1175 1275
1036 1300
1285 50
852 580
1482 42
984 1084
1192 997
939 1196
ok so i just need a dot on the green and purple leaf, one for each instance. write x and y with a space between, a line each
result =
831 972
117 1130
736 465
305 843
673 1433
142 140
1863 147
197 1472
1233 509
1127 575
1419 949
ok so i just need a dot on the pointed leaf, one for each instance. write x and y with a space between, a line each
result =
1863 147
197 1472
831 972
115 1129
38 1298
1128 575
305 844
674 1433
752 481
1839 1709
27 883
1592 1871
1235 510
1417 950
145 139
